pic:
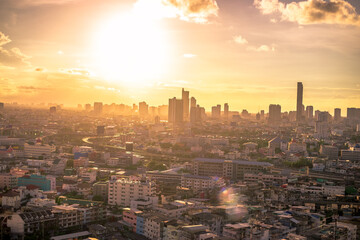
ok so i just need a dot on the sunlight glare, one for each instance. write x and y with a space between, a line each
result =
131 49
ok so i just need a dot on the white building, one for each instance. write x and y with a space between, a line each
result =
38 150
122 191
199 183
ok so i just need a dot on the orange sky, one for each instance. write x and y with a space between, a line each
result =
249 53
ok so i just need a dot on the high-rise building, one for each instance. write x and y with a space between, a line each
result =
123 191
226 110
353 113
299 102
185 99
1 105
98 108
196 114
88 107
262 114
176 111
337 114
309 112
143 109
322 128
193 102
274 114
216 111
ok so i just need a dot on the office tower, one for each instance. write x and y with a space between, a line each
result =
88 107
134 107
353 113
143 109
193 102
274 114
153 111
322 129
195 114
98 108
163 111
176 111
309 112
226 111
258 116
262 114
299 102
216 111
337 114
324 116
317 115
185 99
79 107
1 105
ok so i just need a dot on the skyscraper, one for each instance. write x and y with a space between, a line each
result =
274 114
226 110
216 111
193 102
309 112
185 99
176 111
98 108
337 114
143 109
299 102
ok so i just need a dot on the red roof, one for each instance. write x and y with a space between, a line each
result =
31 187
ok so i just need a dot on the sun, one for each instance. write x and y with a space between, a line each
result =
131 50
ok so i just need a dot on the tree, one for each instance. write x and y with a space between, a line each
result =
70 163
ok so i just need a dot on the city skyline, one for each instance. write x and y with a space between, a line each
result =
260 51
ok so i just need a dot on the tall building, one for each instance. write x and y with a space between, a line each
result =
98 108
122 191
195 114
185 99
176 111
226 110
322 128
216 111
309 112
88 107
353 113
193 102
299 102
143 109
337 114
274 114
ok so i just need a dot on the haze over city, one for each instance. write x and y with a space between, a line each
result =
179 119
248 53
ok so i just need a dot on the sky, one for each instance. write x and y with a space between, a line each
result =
248 53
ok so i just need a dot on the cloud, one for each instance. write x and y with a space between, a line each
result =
262 48
311 11
4 39
198 11
189 55
76 71
240 40
32 88
12 57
